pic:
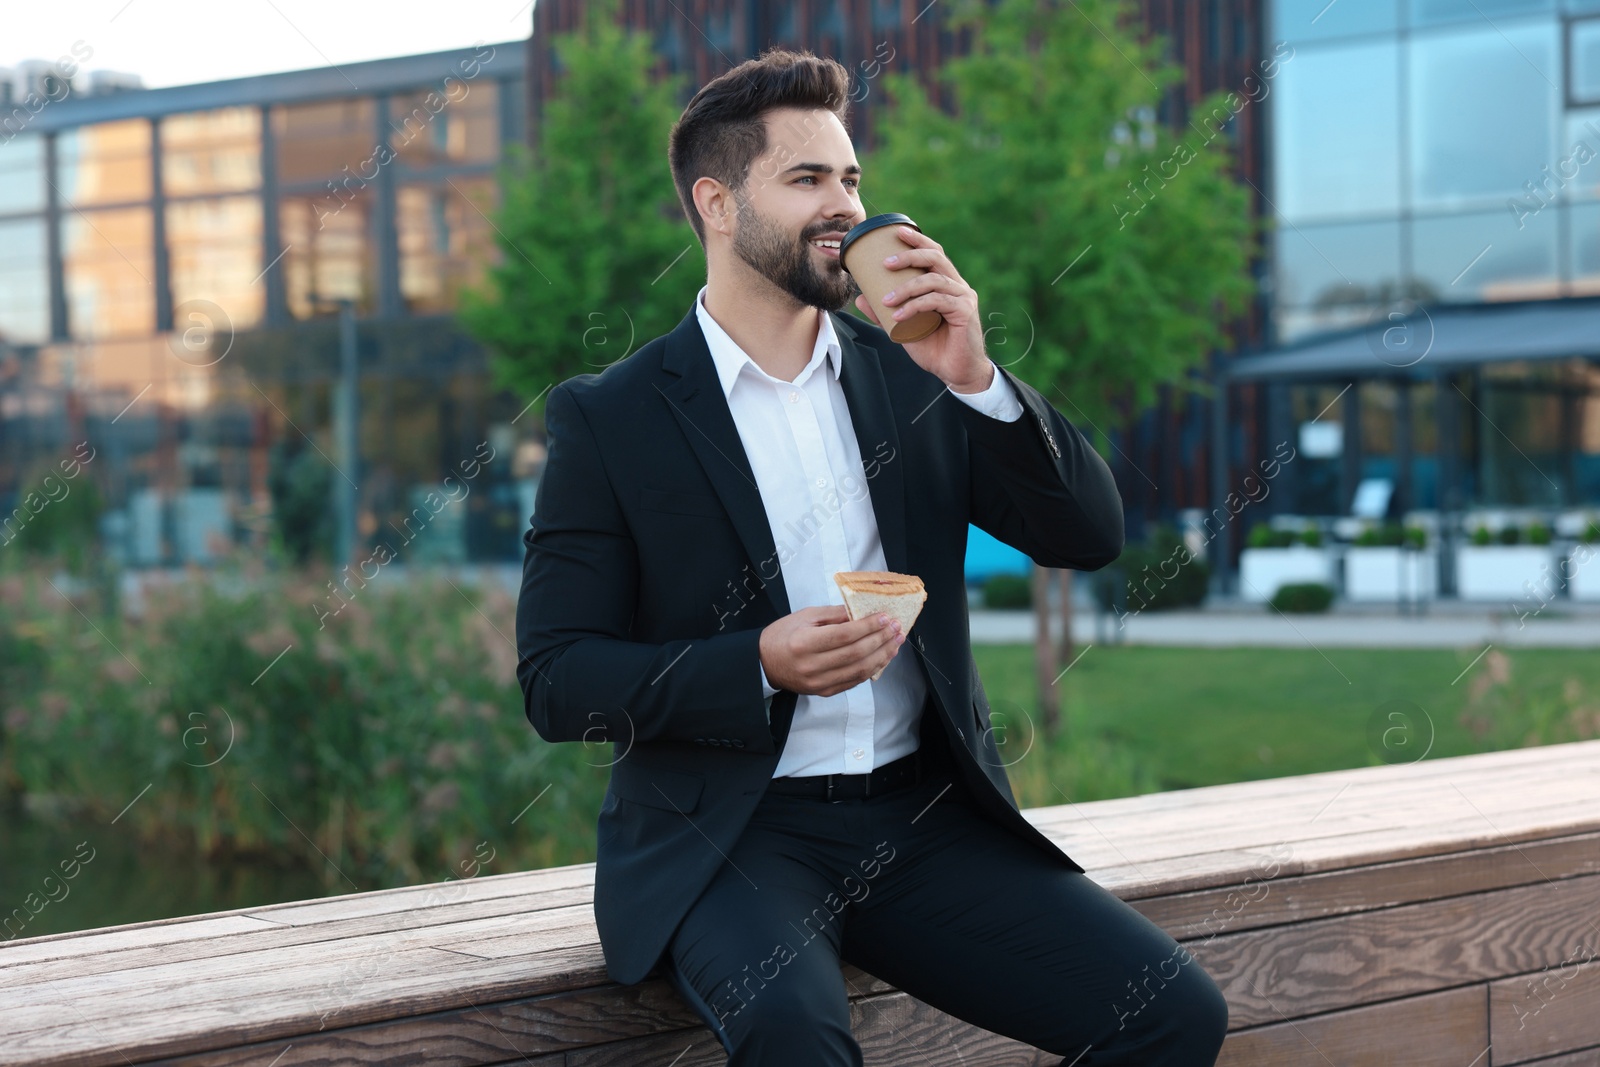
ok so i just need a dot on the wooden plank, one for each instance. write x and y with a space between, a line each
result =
1431 807
1448 1029
79 942
1553 1010
482 1034
1571 758
892 1029
1272 901
1291 971
262 935
1163 877
1589 1057
132 938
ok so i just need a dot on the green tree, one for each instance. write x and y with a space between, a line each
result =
596 256
1108 250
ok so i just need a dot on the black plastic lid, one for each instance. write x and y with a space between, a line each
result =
890 218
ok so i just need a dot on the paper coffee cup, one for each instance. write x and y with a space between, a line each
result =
863 250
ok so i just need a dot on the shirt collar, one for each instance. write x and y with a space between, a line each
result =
730 359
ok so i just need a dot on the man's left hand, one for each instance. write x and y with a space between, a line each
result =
954 352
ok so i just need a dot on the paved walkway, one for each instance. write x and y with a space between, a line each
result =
1561 624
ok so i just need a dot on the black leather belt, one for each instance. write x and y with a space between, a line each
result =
906 771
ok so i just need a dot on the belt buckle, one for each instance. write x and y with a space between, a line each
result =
829 794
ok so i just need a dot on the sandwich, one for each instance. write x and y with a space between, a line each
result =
868 593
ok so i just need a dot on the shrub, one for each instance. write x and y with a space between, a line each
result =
1003 591
1416 537
1264 536
1311 537
387 727
1481 535
1592 532
1157 574
1510 535
1302 597
1538 534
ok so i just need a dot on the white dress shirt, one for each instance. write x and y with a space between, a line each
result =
807 464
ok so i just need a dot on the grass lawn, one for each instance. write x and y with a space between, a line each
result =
1140 719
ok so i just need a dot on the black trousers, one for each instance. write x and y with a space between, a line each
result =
919 889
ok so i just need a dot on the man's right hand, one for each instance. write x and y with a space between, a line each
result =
820 651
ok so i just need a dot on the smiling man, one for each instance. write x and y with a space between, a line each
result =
773 809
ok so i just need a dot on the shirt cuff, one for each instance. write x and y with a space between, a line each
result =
767 691
999 401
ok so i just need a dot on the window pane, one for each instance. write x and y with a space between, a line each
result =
1583 248
329 253
1327 267
317 141
1585 60
24 282
1484 105
1431 12
22 174
1336 132
445 240
216 257
1518 264
110 272
1297 20
463 126
1578 169
105 164
211 151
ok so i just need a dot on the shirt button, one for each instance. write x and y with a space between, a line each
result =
794 398
860 752
821 482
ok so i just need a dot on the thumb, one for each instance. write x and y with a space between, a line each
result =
866 306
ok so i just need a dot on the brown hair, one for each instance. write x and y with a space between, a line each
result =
722 131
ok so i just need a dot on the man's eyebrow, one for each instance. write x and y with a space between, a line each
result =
822 168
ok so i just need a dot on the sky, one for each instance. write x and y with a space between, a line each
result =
180 42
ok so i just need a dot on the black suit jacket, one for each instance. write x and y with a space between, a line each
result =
651 570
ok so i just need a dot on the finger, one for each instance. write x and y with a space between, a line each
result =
946 304
929 282
861 639
917 239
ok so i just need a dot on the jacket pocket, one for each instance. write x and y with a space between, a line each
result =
656 788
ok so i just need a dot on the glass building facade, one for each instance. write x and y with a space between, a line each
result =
1438 154
172 262
1444 151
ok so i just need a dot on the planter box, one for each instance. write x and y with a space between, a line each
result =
1263 570
1500 572
1388 572
1583 571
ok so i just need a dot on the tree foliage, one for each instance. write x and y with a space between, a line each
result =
596 256
1107 251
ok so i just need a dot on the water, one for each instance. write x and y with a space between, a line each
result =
56 878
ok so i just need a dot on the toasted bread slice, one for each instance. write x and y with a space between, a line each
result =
866 593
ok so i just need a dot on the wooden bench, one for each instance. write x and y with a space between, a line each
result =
1403 915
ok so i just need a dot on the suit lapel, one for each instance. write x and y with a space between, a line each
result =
872 416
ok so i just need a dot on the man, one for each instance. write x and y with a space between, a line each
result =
772 809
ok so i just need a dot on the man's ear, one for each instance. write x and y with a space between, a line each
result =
715 203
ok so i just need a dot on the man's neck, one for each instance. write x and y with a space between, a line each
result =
778 333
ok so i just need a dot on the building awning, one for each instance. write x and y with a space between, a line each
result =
1429 340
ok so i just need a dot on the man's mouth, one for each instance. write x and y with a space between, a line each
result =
828 244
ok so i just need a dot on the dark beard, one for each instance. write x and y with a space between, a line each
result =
787 261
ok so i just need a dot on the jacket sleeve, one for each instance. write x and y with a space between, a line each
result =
1038 485
581 679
